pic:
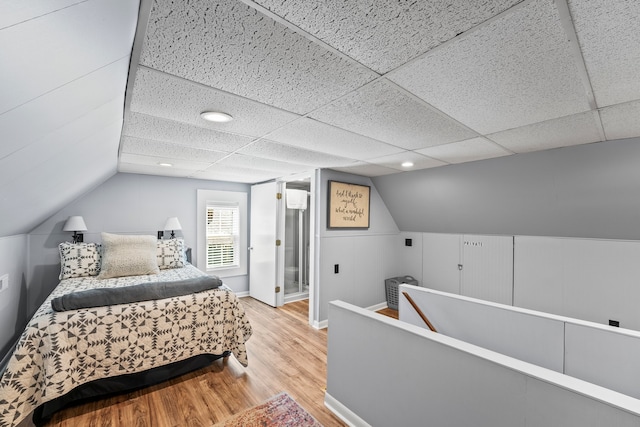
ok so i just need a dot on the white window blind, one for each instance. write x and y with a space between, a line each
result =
223 235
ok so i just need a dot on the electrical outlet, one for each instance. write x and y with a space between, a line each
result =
408 242
336 268
4 282
615 323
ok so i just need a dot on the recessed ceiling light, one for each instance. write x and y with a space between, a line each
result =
166 165
216 116
407 164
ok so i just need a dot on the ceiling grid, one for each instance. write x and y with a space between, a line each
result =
433 83
359 86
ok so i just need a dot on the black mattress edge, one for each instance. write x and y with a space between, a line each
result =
123 383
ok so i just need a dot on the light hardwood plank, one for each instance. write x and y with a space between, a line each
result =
388 312
285 354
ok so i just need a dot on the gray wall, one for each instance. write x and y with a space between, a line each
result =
13 301
126 203
583 191
365 257
384 372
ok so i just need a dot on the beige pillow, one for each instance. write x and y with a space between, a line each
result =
128 255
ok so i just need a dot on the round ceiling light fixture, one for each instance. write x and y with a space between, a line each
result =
407 164
216 116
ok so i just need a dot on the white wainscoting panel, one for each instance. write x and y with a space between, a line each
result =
534 337
385 372
487 268
589 279
601 357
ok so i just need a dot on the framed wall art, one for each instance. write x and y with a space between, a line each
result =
348 205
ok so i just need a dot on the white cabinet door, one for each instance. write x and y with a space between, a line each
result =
440 259
487 271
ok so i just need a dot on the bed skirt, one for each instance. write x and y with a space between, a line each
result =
122 384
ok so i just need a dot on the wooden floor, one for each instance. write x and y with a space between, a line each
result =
389 312
285 354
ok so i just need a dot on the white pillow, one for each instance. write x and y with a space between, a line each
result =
128 255
170 253
79 260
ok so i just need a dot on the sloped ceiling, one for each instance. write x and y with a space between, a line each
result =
63 74
358 86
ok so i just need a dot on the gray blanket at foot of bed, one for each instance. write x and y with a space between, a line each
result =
135 293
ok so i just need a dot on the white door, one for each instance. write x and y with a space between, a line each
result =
441 262
488 268
262 243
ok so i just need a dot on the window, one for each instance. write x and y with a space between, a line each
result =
222 232
223 236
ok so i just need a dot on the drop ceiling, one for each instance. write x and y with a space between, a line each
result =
92 87
364 86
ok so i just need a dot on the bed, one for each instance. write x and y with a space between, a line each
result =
60 352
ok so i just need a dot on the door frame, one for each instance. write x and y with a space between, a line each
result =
313 189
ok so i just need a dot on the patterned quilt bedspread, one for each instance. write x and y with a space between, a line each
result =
59 351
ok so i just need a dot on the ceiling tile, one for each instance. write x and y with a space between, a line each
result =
419 161
276 151
260 164
383 34
58 108
234 174
147 147
62 47
466 151
232 47
158 129
562 132
609 36
366 169
159 94
516 70
153 169
382 111
143 160
314 135
621 121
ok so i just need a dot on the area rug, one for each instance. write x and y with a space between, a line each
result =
280 410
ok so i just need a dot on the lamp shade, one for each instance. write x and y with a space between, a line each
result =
75 223
172 224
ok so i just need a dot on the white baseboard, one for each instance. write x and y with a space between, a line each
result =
344 413
242 294
320 325
325 323
377 307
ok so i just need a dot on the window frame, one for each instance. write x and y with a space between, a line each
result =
208 198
